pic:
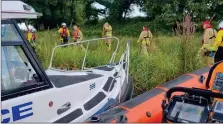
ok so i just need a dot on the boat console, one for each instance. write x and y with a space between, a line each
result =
218 82
196 105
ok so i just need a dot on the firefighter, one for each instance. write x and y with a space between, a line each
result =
218 45
145 38
32 37
77 35
33 32
64 33
107 32
29 35
207 40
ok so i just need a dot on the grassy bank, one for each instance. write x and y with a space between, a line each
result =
168 58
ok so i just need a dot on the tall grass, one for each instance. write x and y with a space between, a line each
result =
168 58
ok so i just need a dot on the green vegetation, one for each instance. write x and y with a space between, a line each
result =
161 12
171 52
169 57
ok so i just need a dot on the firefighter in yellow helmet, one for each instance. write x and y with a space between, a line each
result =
218 45
64 33
77 35
145 38
107 32
207 40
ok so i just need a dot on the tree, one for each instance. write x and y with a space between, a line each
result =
169 11
163 12
119 9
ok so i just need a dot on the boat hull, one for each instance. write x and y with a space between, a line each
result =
146 108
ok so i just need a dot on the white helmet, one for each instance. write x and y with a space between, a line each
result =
220 24
22 26
33 30
63 24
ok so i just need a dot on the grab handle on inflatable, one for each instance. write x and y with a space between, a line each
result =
95 119
197 92
201 79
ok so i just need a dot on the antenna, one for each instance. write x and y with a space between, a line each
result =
212 18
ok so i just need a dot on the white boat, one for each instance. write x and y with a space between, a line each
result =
31 94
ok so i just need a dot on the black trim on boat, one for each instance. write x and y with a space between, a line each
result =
142 98
115 74
201 71
177 81
128 89
64 80
105 68
94 101
70 117
108 83
109 115
124 65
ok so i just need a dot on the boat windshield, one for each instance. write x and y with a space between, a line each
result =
9 33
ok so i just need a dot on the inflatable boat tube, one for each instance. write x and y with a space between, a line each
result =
146 108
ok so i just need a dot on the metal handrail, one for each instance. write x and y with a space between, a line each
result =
125 56
79 42
85 54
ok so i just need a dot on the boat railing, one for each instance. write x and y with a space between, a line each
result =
124 60
86 50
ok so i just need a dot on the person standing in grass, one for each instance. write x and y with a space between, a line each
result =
107 32
29 32
207 40
64 33
145 39
33 32
218 45
77 35
32 37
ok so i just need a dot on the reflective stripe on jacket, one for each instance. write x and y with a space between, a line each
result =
107 31
218 41
209 36
77 35
145 37
64 32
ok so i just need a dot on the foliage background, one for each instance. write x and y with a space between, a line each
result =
169 56
160 12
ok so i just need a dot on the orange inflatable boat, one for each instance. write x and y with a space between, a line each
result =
147 108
